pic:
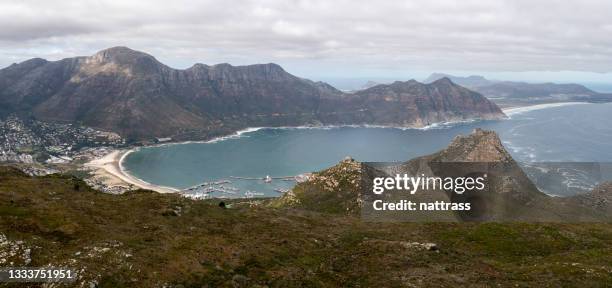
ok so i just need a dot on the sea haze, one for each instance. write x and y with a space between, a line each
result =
600 87
578 132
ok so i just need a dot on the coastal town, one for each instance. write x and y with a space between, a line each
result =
40 148
30 141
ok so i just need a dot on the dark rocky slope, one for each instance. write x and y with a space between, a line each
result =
130 92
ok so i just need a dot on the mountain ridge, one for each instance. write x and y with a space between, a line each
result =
515 93
468 81
130 92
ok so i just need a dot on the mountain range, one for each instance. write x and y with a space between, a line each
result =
130 92
521 92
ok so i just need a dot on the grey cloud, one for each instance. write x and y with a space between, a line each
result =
487 35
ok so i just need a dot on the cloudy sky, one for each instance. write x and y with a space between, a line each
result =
531 40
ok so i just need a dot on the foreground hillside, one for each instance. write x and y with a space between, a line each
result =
145 239
131 93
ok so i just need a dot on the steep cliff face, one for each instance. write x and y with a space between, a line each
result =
417 104
116 89
130 92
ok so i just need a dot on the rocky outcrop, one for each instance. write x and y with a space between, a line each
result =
510 195
13 253
12 157
600 198
479 146
335 190
130 92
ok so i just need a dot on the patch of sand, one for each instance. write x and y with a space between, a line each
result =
509 111
108 169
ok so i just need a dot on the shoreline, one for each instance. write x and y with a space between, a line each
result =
112 165
239 133
522 109
109 166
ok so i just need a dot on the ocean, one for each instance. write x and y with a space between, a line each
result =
580 132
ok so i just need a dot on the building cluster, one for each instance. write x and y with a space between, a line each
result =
28 140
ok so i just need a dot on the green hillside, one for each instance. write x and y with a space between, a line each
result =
145 239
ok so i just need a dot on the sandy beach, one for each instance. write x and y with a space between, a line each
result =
108 168
509 111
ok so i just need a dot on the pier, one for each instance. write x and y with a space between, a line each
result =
298 178
223 186
209 187
263 178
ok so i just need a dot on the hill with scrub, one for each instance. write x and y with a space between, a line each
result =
311 237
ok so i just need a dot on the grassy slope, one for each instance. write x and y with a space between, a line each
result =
149 245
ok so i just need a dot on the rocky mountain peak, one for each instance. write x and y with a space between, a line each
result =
335 189
480 146
31 63
410 82
471 81
123 56
435 76
369 84
271 69
443 81
120 51
199 66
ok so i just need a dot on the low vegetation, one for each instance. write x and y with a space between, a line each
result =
145 239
